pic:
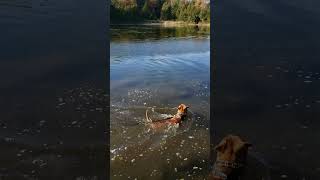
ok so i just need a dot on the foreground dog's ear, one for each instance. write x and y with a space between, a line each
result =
221 146
247 144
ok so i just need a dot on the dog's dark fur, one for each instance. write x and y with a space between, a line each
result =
231 158
176 119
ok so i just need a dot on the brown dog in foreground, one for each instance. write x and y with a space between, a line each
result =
176 119
231 158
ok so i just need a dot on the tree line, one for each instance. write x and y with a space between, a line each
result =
177 10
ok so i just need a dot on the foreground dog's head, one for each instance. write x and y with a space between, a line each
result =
232 148
231 156
182 109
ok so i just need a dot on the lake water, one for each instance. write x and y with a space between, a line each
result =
52 91
268 81
160 67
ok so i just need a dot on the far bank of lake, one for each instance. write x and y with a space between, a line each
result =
164 23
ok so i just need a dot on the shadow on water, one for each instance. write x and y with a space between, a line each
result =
156 32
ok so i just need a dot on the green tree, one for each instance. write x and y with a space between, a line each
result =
182 10
166 11
146 12
205 14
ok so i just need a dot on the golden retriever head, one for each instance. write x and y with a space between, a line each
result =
182 109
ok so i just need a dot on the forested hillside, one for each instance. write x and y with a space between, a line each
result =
177 10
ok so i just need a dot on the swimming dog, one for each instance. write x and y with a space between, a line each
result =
231 158
174 120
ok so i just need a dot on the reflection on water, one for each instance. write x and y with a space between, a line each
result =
154 32
159 67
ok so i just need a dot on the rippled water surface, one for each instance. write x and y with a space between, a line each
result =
158 68
52 98
268 81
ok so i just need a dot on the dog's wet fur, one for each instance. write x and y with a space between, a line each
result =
174 120
233 150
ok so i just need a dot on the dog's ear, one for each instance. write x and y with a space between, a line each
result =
247 144
179 107
221 146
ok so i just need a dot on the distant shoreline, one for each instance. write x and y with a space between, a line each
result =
164 23
183 23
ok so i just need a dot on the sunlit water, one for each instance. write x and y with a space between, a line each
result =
159 67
